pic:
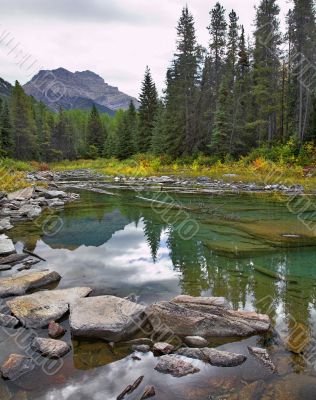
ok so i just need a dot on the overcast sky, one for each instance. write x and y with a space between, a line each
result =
114 38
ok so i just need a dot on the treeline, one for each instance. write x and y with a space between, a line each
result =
238 94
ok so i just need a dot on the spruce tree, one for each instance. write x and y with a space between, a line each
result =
23 125
181 93
267 70
158 140
6 135
126 132
146 113
95 132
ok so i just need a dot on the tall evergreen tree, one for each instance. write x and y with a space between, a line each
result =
23 125
95 132
6 135
181 93
146 113
126 132
267 70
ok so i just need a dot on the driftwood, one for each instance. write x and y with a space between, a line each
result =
33 254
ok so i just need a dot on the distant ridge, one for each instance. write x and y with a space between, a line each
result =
5 88
76 90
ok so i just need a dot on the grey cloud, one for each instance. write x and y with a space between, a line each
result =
74 10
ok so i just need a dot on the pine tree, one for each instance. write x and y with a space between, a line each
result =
158 141
6 135
267 70
63 138
23 125
147 112
181 93
95 133
302 58
126 132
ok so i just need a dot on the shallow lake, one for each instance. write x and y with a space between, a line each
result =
256 250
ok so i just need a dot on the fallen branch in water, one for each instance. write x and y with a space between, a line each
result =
33 254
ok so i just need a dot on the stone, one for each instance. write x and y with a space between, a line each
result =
212 356
207 301
252 390
175 366
5 224
130 388
55 330
16 366
38 309
52 194
20 283
148 392
13 259
195 341
8 321
194 319
162 348
50 348
6 246
142 348
30 211
55 203
5 267
105 317
263 356
23 194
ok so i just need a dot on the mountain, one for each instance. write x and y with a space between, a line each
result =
76 90
5 88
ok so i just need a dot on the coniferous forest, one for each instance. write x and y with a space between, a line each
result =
245 91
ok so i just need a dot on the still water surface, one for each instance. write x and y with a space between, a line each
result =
248 248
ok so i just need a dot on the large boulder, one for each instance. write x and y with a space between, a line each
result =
23 194
105 317
15 366
38 309
6 246
20 283
202 301
52 194
196 319
212 356
50 348
13 259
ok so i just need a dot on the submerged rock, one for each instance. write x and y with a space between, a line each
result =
148 392
6 246
55 330
21 282
38 309
130 388
196 319
214 357
8 321
105 317
175 366
195 341
52 194
142 348
50 348
13 259
30 211
263 356
16 366
5 267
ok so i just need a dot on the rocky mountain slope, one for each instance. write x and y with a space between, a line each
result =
5 88
78 90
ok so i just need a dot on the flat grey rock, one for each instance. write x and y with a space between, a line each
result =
195 319
212 356
105 317
195 341
15 366
5 224
38 309
8 321
6 246
175 366
23 194
52 194
5 267
202 301
13 259
162 348
30 211
20 283
50 348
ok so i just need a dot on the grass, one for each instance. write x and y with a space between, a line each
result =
13 174
259 171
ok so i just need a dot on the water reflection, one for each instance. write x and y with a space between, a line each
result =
118 245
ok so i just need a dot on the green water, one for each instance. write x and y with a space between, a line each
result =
258 251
